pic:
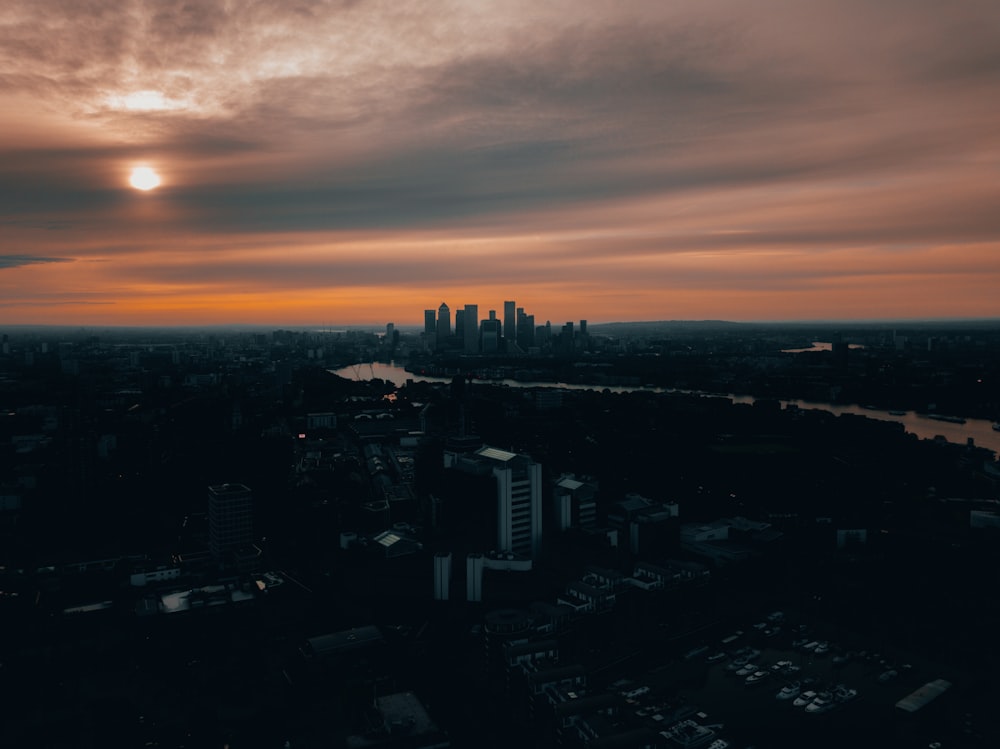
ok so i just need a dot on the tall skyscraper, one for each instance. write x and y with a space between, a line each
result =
230 518
567 339
490 335
443 324
543 334
509 321
525 330
430 329
471 332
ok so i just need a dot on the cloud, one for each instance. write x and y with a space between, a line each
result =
16 261
634 130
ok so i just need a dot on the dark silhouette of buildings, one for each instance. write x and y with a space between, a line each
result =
443 325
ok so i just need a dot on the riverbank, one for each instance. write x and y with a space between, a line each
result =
980 431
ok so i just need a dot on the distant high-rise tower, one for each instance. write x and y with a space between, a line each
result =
430 327
509 321
471 332
490 335
230 518
525 330
567 339
443 324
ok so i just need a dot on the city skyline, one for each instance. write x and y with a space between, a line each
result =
356 163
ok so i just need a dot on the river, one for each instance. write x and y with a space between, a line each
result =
980 430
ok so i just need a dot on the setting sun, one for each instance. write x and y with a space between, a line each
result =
144 178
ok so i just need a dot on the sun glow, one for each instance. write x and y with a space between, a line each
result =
143 178
144 101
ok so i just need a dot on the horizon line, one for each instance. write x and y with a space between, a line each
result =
332 327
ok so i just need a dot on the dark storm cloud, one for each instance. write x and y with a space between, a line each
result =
15 261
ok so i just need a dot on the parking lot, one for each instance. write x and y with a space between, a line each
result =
753 716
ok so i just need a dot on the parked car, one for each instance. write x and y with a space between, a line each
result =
756 676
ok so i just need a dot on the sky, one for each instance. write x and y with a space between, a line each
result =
357 162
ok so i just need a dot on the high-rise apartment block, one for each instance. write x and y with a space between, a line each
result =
517 482
574 503
230 518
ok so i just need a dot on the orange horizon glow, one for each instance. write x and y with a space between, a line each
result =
168 307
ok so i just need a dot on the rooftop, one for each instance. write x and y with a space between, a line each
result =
404 716
923 696
336 642
405 708
495 453
225 490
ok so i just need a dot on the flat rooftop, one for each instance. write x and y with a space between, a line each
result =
495 453
338 642
924 695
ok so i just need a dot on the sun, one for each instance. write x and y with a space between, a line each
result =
143 178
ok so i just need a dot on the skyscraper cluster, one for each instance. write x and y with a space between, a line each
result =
514 333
